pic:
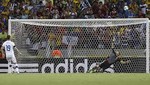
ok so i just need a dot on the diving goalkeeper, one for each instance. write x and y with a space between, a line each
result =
114 57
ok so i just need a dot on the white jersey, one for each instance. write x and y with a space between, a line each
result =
9 48
10 56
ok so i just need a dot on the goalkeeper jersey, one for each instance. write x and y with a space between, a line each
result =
113 57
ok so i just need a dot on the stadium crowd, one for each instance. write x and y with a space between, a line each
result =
68 9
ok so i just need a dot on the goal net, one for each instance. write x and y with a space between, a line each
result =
83 42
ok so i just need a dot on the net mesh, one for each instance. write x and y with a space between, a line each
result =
82 39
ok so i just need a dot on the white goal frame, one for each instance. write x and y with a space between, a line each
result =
147 30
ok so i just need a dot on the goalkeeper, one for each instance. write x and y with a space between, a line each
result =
114 57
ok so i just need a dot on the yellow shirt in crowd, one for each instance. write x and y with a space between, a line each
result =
3 36
5 2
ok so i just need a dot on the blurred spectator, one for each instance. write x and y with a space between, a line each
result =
134 8
89 14
100 14
95 7
44 2
130 13
140 15
1 7
5 2
51 44
112 4
5 13
134 40
3 35
74 9
120 9
106 38
84 4
117 40
24 15
143 7
59 34
64 9
113 13
73 14
49 5
55 13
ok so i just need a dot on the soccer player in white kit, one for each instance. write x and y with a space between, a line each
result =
8 52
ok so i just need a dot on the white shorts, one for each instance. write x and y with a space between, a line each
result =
11 58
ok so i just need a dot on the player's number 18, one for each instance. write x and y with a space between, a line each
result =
8 48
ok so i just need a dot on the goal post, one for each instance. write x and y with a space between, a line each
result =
147 47
85 39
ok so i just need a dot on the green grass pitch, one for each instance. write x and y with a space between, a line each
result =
76 79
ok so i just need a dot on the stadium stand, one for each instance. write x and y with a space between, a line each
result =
70 9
